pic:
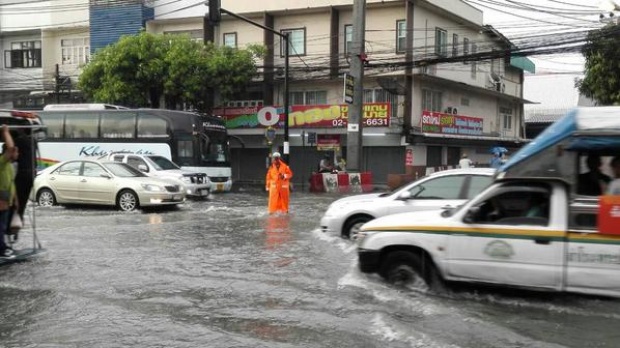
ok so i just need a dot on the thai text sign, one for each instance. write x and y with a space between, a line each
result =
305 116
328 142
437 122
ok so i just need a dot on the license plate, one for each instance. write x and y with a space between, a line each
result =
176 197
220 187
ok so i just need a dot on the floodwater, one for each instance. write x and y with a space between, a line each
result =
223 273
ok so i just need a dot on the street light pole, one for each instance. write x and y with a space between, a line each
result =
286 38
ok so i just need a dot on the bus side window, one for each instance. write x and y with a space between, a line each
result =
151 126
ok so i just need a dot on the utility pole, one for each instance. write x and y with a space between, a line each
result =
215 11
355 117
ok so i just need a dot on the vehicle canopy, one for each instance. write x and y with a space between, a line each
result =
558 151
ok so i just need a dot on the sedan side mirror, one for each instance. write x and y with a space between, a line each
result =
406 195
105 175
143 168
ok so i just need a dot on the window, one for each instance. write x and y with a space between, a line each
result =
82 125
401 36
441 42
465 101
185 149
296 40
431 100
54 124
455 45
380 95
448 187
136 162
93 170
348 38
506 116
515 205
474 66
497 65
230 40
118 125
71 168
465 48
150 126
308 98
25 54
477 184
75 51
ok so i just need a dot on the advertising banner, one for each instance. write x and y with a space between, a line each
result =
328 142
437 122
303 116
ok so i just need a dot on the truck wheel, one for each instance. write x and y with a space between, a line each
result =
353 225
127 200
404 268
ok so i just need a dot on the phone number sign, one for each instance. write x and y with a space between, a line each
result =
306 116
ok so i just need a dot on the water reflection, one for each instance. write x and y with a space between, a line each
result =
277 230
155 219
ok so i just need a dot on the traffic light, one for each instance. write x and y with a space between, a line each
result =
214 11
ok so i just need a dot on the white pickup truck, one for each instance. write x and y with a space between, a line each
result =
196 185
525 233
534 227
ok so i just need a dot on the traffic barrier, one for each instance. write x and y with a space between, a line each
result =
341 182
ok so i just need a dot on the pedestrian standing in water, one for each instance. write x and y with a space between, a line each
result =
8 197
277 183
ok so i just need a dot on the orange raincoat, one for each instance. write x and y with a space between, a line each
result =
277 183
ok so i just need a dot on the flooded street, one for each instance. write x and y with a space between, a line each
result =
223 273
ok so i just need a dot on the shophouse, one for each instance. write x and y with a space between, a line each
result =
46 44
427 103
429 96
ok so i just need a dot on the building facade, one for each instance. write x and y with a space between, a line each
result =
428 97
426 102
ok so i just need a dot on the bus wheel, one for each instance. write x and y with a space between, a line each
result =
127 200
46 198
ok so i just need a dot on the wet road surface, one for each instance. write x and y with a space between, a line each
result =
223 273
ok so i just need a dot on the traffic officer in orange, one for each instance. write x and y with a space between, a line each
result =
277 184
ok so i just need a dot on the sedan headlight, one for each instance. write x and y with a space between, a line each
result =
186 179
152 188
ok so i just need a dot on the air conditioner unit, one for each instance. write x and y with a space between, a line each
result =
454 111
448 110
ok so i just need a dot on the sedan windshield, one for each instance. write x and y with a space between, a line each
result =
123 170
162 163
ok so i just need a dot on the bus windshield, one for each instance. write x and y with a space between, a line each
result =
215 150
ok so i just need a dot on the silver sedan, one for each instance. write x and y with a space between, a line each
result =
103 183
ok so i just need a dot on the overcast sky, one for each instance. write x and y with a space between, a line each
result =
519 18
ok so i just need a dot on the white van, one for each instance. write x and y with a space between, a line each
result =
83 107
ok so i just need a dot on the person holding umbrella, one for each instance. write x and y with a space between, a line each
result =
497 159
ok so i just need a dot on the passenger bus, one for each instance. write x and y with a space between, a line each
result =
196 142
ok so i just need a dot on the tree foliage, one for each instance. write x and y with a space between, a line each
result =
602 78
142 69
